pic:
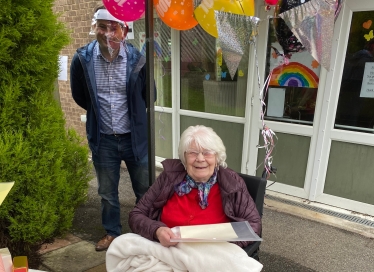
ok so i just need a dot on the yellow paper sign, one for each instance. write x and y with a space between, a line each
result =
4 190
219 59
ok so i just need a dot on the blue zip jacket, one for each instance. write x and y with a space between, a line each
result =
84 92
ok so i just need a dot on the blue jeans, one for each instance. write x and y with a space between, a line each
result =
112 150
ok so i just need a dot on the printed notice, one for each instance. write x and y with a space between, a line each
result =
63 64
276 102
367 87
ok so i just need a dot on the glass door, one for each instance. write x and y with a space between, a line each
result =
344 171
293 103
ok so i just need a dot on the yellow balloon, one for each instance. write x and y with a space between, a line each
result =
204 13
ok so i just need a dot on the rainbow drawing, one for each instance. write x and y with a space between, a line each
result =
294 74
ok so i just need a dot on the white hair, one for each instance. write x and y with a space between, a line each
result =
204 137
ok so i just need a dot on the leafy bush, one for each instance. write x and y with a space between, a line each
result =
47 162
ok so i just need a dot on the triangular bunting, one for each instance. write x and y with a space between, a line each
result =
313 25
235 32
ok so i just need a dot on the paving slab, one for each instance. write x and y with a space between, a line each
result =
59 243
100 268
340 223
77 257
294 243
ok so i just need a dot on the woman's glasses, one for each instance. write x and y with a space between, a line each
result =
206 153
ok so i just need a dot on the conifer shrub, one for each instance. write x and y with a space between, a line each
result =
48 163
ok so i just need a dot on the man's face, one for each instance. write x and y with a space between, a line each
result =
108 34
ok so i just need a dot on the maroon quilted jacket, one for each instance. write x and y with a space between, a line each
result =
237 203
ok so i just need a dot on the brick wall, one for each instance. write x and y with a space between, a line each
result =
77 15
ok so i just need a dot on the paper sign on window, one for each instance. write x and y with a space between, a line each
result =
63 65
276 102
301 71
367 87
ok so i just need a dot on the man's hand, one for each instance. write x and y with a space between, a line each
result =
164 235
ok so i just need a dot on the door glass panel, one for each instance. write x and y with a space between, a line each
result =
206 84
350 172
163 135
355 109
290 158
162 57
292 92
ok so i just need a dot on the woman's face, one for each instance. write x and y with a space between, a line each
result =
200 163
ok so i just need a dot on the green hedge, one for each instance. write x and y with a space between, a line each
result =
48 163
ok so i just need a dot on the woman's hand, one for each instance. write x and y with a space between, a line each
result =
164 235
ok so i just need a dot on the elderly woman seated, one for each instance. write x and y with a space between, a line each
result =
197 189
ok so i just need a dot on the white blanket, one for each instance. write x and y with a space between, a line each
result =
131 252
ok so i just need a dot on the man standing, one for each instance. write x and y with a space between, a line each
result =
108 80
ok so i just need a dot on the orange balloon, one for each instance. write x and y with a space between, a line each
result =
177 14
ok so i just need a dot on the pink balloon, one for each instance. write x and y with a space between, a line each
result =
271 2
125 10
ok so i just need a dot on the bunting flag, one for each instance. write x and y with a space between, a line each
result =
313 25
235 33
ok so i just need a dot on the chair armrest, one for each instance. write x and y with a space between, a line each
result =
256 187
250 249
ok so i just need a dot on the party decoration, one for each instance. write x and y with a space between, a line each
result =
315 64
235 32
313 25
176 14
294 74
290 44
367 24
204 13
285 37
207 76
219 57
271 2
267 134
240 73
369 36
338 6
125 10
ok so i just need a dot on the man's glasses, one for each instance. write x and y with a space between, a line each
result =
206 153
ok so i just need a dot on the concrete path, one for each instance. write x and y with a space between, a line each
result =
295 239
